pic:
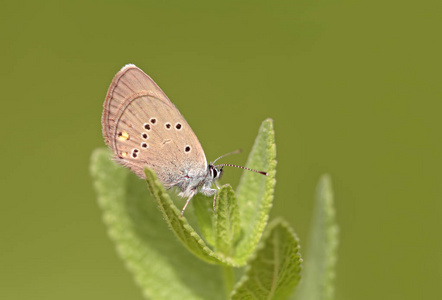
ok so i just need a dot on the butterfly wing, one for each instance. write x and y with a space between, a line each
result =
143 128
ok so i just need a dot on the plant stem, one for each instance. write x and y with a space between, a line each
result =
229 280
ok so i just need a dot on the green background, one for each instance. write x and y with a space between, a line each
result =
354 88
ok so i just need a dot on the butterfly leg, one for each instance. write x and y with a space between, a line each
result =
209 192
214 200
187 202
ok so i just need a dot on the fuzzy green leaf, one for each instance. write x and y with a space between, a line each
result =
179 225
274 271
255 191
203 207
320 259
158 261
226 221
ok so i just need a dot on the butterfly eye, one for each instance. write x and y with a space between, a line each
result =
144 145
146 126
144 136
187 149
153 120
178 126
168 125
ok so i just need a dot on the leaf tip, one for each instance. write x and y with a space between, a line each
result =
267 123
325 179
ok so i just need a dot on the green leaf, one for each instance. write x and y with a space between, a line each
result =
203 207
226 221
179 225
255 191
320 260
162 267
274 271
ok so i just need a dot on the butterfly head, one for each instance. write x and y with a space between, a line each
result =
215 173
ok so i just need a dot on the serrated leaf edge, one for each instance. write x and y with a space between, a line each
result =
260 246
211 256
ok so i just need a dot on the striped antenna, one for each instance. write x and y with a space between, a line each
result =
230 153
229 165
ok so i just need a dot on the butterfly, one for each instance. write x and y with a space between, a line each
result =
145 129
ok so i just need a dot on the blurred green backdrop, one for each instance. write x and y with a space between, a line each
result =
353 87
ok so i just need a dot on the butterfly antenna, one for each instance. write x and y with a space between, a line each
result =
229 165
233 152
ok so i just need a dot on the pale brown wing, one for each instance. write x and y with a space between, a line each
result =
144 128
129 81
